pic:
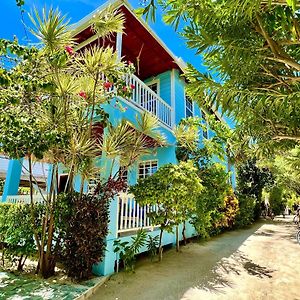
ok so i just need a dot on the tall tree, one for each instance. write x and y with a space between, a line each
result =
250 48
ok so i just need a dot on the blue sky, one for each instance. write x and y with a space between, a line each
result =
10 22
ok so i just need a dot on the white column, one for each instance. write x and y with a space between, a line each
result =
119 44
173 98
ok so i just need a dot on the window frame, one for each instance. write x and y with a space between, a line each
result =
185 106
144 162
154 81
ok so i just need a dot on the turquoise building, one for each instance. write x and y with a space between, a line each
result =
159 89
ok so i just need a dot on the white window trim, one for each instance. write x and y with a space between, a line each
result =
193 106
144 162
153 81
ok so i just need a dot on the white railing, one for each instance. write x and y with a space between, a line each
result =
146 99
24 199
132 216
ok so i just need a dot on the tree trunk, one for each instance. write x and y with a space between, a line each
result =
183 233
160 248
177 238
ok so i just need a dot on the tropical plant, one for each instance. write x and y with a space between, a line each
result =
277 200
152 245
16 232
128 250
250 49
251 182
173 190
49 100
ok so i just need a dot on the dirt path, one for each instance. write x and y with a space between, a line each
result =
262 262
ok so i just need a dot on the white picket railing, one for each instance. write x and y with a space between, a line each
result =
24 199
146 99
132 216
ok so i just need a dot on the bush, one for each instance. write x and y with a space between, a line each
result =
83 222
16 232
229 211
246 213
277 202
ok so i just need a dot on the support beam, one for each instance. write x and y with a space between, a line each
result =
119 44
13 177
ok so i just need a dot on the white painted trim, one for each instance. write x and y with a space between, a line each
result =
193 106
153 81
119 44
173 98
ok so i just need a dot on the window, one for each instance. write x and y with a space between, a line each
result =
147 168
189 107
154 86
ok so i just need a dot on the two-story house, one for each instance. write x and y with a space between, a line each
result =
159 90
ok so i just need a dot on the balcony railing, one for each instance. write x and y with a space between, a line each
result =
146 99
143 97
132 216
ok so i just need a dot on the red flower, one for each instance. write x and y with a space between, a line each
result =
107 85
132 86
124 89
69 50
82 94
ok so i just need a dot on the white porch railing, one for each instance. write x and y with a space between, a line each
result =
132 216
146 99
24 199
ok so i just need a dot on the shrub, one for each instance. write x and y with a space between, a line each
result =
84 227
246 213
229 211
277 202
16 232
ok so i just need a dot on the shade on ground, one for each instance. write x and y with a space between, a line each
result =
261 262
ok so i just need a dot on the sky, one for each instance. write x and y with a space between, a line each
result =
11 24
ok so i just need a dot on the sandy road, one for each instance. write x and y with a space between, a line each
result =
261 262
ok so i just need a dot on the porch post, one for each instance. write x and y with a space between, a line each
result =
13 177
119 44
107 266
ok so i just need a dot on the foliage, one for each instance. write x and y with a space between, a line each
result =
245 215
251 182
16 232
128 250
277 201
205 154
1 186
83 226
152 245
208 213
250 49
50 97
173 189
229 211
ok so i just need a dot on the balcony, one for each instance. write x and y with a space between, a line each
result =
144 98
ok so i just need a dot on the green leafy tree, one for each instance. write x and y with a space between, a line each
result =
173 190
251 182
250 49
